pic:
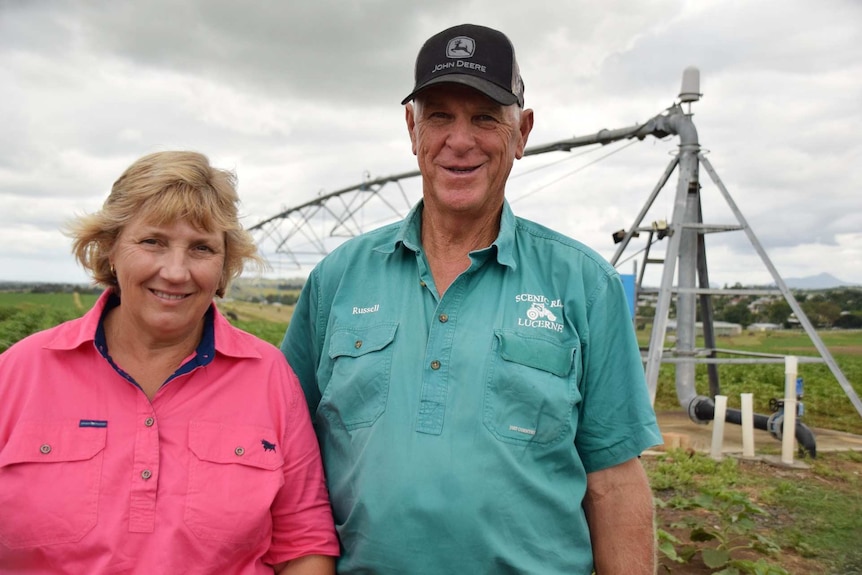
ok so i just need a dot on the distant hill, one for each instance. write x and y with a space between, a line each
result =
820 281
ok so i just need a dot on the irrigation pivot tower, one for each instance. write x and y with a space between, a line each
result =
684 257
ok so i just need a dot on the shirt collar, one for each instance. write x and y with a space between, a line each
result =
204 353
219 335
409 235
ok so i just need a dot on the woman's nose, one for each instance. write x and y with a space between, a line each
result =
175 266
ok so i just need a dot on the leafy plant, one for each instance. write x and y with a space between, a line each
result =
729 523
719 521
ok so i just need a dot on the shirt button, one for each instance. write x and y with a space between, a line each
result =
443 318
45 448
240 451
358 344
435 364
149 421
422 283
146 474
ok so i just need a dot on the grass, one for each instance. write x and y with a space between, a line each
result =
267 322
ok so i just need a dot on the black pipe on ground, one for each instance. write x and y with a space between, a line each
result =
702 410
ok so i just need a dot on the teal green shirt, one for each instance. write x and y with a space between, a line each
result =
457 431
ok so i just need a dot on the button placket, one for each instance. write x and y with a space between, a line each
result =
142 499
435 380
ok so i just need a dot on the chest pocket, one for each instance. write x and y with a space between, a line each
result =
235 473
358 389
49 483
531 389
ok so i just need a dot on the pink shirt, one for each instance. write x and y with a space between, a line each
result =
219 473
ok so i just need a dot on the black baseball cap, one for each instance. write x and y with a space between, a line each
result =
475 56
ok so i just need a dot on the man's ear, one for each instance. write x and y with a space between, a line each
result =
411 124
524 128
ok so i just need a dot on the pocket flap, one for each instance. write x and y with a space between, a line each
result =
357 341
248 445
52 442
536 352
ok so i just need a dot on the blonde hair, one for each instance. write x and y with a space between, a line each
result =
163 188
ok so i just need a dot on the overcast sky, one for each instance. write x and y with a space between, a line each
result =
303 98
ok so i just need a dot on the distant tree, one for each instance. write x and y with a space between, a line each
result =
849 321
776 311
737 313
646 312
849 299
820 312
291 284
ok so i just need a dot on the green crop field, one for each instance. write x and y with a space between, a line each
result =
24 313
73 302
826 403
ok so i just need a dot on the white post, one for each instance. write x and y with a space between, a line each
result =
718 426
788 437
747 424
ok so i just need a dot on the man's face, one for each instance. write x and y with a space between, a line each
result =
466 144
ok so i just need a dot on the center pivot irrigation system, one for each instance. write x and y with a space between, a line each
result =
684 274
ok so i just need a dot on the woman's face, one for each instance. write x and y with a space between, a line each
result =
168 275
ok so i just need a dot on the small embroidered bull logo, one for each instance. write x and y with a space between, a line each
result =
267 446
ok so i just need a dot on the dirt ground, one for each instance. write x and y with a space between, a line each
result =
773 523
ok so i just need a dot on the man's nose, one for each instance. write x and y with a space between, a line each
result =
461 135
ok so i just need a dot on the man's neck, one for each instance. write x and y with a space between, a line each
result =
447 243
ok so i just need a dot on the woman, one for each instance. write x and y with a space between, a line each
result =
151 436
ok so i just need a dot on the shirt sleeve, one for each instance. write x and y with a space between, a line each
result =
301 346
301 513
616 421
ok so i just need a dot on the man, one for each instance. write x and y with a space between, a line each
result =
474 378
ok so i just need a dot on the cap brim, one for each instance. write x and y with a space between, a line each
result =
493 91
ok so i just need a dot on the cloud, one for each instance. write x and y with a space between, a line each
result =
302 99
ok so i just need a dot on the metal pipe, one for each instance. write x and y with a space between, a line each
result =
702 410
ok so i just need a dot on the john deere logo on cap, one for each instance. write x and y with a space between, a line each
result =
460 47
